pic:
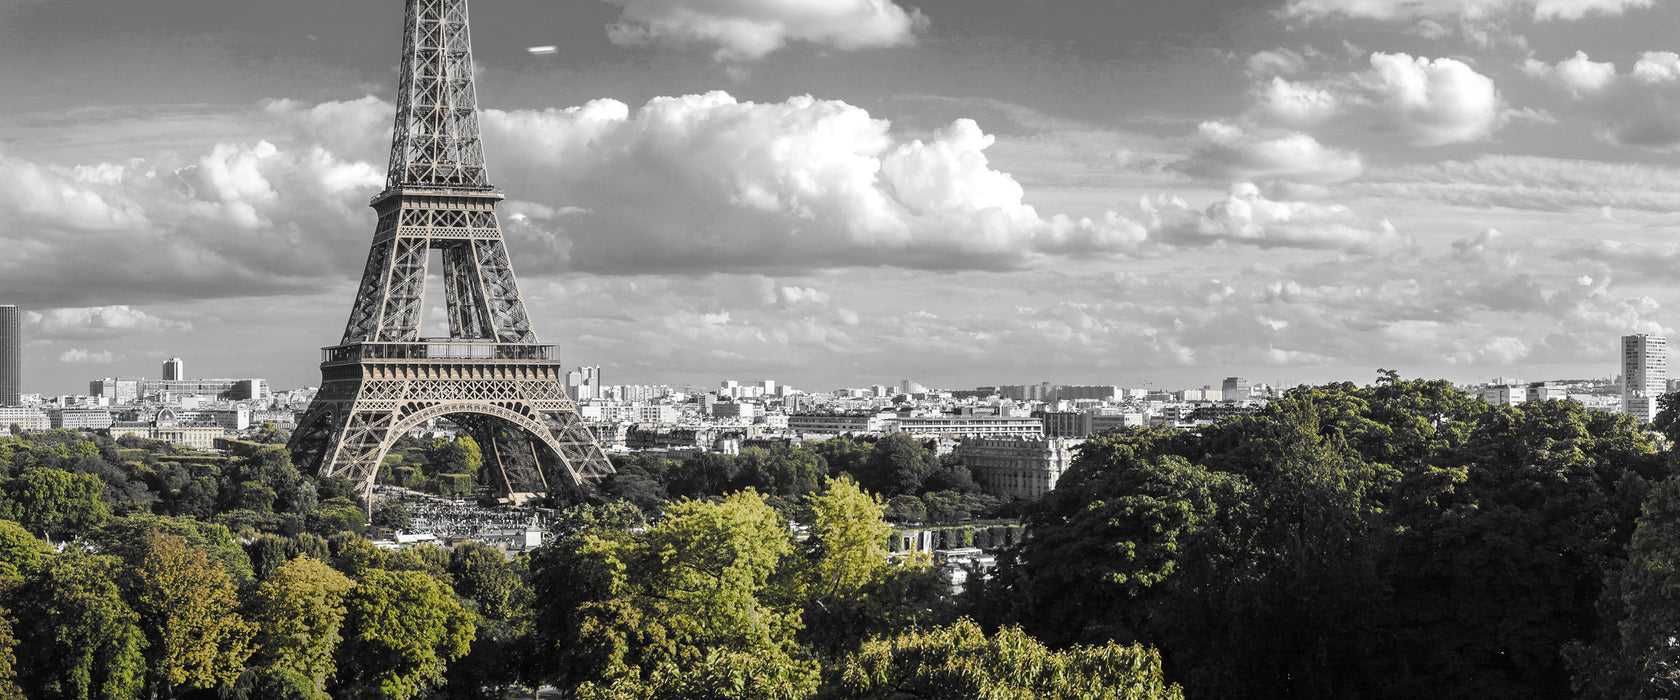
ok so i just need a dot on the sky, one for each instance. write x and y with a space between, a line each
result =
836 193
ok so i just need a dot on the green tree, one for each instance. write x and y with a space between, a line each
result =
392 515
482 575
960 662
20 552
57 503
898 464
401 630
298 613
662 599
82 640
844 455
126 537
9 688
186 606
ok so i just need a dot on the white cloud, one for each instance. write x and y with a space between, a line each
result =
746 30
1227 152
78 356
1435 101
1640 108
1295 104
1580 75
97 322
1657 67
1247 217
1529 183
711 182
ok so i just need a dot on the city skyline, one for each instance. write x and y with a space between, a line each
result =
957 193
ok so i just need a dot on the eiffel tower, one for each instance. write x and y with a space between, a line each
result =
490 376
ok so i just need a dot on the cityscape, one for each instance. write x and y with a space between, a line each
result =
1016 439
1339 326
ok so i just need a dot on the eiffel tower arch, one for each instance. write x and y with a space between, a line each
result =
490 376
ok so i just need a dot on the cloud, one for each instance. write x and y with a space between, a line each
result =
1295 104
1530 183
683 185
1580 75
1247 217
78 356
1473 10
1435 101
1226 152
1639 108
748 30
97 322
1429 101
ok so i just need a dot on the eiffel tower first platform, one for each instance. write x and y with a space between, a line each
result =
490 376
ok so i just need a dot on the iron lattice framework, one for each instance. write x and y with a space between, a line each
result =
490 376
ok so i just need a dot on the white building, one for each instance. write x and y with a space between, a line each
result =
1644 373
1017 467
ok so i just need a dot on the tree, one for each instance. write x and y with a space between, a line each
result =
82 640
906 508
659 601
846 552
960 662
482 575
126 537
401 630
898 464
393 515
843 455
298 613
9 689
57 503
186 606
20 552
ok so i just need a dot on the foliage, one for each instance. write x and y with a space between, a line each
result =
401 630
20 552
959 662
56 503
82 640
390 514
664 598
898 464
185 604
298 612
1388 541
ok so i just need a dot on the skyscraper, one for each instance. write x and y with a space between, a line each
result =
11 357
174 369
1644 373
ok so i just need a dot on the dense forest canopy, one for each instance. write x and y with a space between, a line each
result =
1394 540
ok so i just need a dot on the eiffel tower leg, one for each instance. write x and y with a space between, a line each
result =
582 458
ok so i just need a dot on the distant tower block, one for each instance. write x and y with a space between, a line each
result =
1644 373
11 357
490 376
174 369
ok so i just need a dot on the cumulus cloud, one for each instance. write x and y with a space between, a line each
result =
1580 75
79 356
1639 108
1245 216
97 322
1295 104
745 30
241 218
1435 101
1226 152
